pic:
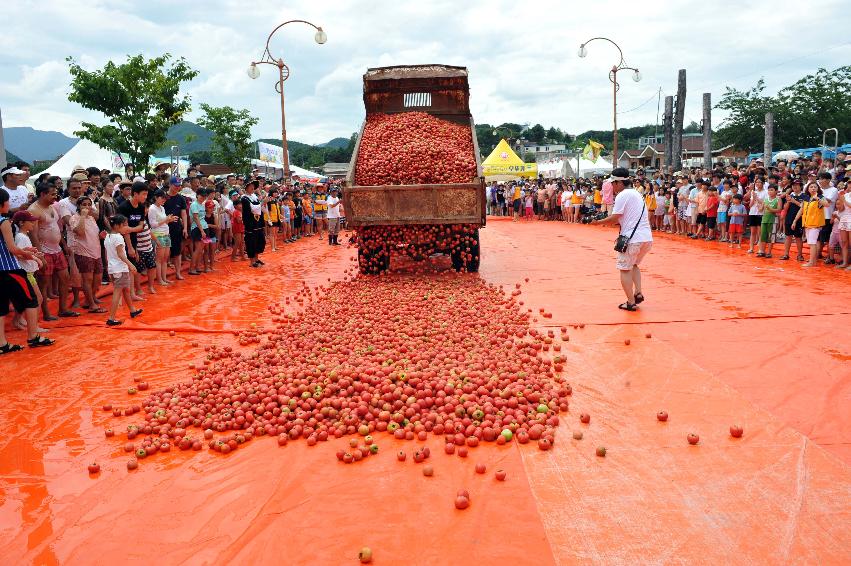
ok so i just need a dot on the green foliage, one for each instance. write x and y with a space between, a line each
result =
189 137
488 135
141 98
537 133
231 135
202 156
802 111
529 157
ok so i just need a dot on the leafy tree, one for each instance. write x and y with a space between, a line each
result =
141 98
537 133
802 111
231 135
555 135
529 157
200 157
693 128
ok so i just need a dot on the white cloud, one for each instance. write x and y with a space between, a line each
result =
522 57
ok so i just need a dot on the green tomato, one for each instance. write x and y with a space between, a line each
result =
543 408
507 434
392 426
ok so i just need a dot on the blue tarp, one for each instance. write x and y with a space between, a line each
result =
806 152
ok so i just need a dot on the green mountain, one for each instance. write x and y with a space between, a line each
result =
188 136
32 144
336 143
11 157
315 156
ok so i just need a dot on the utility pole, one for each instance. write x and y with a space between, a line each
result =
707 130
669 132
679 116
769 139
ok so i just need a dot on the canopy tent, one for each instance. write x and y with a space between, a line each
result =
807 152
503 164
88 154
587 167
552 169
276 170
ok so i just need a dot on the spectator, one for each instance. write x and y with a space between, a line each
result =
737 213
25 223
86 250
830 195
794 199
811 216
142 255
197 232
120 268
334 204
211 240
771 206
175 205
843 207
13 185
255 241
238 252
159 222
15 288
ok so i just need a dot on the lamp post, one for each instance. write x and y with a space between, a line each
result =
613 77
283 74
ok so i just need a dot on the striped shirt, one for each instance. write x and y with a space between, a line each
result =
8 262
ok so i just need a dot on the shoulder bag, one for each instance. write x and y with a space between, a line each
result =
622 241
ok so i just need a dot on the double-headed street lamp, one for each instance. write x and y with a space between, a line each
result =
283 74
613 77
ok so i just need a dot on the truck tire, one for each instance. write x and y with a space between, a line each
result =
471 264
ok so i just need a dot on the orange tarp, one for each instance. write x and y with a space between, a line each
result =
734 340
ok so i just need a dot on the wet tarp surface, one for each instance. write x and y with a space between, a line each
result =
733 341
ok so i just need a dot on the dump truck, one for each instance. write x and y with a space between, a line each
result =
455 209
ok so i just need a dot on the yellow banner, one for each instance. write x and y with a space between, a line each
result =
522 170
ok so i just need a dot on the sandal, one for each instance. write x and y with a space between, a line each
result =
639 298
69 314
799 258
628 306
39 341
9 348
767 256
135 313
784 257
112 322
97 310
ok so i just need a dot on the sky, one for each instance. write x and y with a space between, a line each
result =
522 57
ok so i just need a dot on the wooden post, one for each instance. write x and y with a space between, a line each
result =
679 116
669 132
769 139
707 130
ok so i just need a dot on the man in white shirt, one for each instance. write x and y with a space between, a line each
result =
333 204
13 183
830 194
630 211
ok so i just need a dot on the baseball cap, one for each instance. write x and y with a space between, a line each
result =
174 181
23 216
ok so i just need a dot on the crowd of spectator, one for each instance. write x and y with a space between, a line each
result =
69 237
797 203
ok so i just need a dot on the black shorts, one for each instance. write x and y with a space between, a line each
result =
145 261
516 205
824 234
15 288
711 222
796 232
701 219
196 234
175 232
755 220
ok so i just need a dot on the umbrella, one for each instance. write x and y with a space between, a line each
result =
787 155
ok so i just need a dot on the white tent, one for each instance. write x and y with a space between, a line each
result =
587 167
276 170
552 169
86 154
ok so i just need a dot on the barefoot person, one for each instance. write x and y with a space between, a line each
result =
630 211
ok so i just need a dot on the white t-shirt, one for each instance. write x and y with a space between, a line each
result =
758 202
23 241
18 196
830 193
333 211
114 264
157 220
629 204
844 215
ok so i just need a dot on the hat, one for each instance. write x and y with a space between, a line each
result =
12 171
23 216
233 193
211 178
79 177
138 179
77 169
174 181
619 174
251 182
124 184
162 164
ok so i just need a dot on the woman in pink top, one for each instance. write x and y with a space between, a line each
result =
608 195
86 248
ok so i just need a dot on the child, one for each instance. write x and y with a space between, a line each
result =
737 213
771 206
211 241
661 208
25 222
119 268
670 221
238 251
198 232
86 248
530 203
723 204
712 203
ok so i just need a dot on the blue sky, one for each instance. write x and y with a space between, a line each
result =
522 56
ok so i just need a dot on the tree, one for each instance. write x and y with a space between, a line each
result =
231 143
802 111
693 128
537 133
200 157
555 135
529 157
141 98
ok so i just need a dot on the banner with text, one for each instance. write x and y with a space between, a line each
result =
270 153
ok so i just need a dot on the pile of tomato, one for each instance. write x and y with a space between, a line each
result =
446 355
414 148
416 241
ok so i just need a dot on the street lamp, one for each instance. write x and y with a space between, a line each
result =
613 77
283 74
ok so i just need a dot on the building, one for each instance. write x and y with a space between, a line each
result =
539 150
335 170
651 153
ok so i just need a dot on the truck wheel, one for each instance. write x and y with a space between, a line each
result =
475 253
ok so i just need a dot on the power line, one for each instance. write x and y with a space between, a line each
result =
654 95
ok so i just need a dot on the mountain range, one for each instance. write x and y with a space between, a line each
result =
30 145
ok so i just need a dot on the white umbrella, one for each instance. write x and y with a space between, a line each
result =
787 155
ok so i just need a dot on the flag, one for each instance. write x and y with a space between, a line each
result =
592 150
